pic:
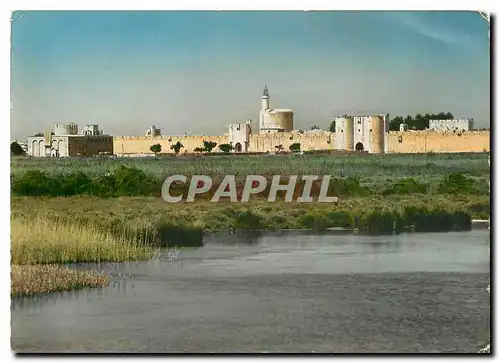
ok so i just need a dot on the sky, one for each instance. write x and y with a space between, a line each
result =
196 72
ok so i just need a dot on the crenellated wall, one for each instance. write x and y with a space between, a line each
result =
123 145
257 143
438 142
398 142
308 141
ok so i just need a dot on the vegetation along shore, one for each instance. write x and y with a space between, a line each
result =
88 210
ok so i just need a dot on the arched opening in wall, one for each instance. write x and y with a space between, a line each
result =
359 146
237 147
35 149
41 148
60 149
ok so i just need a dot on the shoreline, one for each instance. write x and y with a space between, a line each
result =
33 280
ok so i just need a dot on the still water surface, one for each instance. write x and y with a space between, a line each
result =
282 292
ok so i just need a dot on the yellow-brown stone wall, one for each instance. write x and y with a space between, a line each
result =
268 143
141 145
398 142
428 141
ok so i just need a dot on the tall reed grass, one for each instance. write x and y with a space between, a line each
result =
43 241
153 222
40 279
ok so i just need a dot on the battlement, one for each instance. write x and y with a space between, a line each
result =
441 132
423 141
418 141
177 137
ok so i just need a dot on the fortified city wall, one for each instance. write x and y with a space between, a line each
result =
308 141
438 142
129 145
123 145
399 142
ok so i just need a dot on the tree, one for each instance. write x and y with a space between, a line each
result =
198 150
395 122
279 147
16 149
419 122
156 148
332 126
208 146
226 148
315 127
295 147
177 147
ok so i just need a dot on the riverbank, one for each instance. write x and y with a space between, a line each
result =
40 247
146 217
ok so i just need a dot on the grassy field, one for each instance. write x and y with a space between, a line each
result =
383 167
144 177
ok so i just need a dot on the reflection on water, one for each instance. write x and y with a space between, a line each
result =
298 251
240 237
286 292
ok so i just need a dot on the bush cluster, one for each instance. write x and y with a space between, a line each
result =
123 181
127 181
379 222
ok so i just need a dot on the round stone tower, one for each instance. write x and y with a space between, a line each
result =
377 134
349 134
344 133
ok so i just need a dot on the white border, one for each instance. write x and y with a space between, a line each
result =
8 6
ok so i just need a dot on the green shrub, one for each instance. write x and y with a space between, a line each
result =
104 186
132 182
406 186
123 182
379 222
350 186
156 148
340 219
457 183
171 234
16 149
314 220
226 148
75 183
34 183
436 220
248 220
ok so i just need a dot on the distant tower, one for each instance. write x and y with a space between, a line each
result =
264 108
265 98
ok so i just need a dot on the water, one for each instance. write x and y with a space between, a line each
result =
284 292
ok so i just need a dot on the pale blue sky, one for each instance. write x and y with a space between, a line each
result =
195 72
